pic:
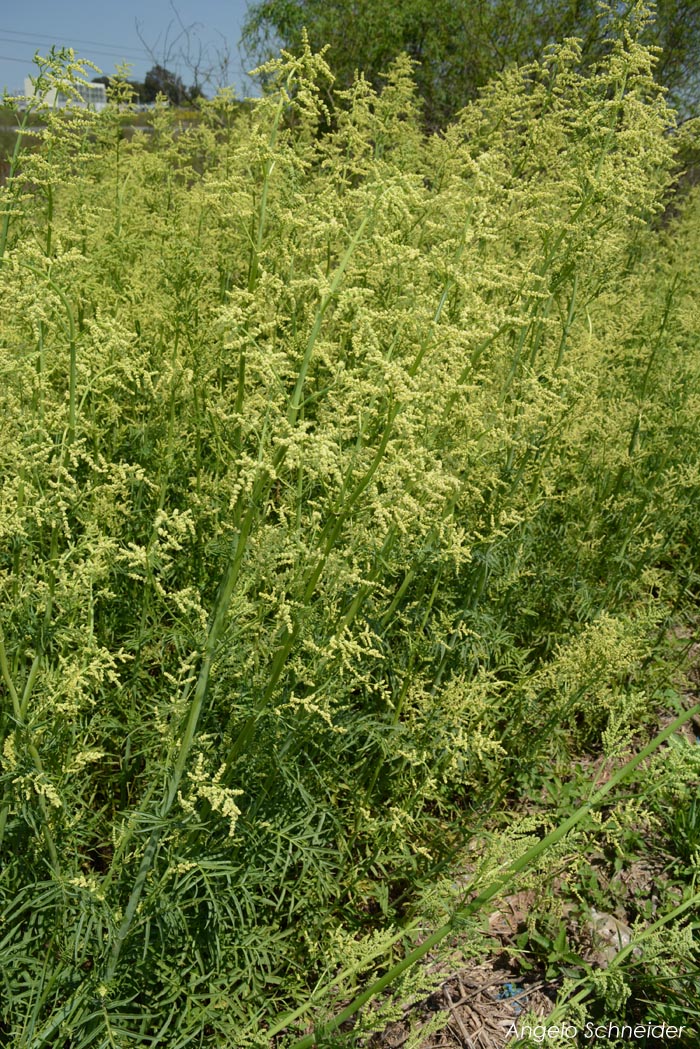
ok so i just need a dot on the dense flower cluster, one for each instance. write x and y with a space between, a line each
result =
347 474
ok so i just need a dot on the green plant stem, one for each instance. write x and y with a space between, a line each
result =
14 164
584 983
72 366
20 708
9 683
514 869
200 691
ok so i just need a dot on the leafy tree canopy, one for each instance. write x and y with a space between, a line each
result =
461 44
159 81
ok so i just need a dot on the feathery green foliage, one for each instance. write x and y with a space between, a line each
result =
349 482
460 45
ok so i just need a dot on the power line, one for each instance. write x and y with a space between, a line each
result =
115 54
52 38
80 56
22 61
6 40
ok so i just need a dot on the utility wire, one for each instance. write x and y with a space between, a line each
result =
92 50
114 53
53 37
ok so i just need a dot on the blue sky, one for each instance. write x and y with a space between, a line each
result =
106 33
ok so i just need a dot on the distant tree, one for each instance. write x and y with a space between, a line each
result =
461 44
161 81
138 89
180 45
677 32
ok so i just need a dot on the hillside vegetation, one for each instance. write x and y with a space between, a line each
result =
350 488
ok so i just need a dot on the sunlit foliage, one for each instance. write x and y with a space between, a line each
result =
348 480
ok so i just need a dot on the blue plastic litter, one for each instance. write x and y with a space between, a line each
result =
511 990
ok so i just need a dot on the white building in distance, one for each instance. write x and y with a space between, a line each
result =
91 96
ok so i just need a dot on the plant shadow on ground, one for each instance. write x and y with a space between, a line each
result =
571 925
350 487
